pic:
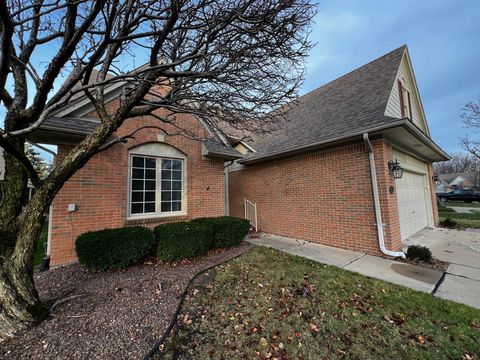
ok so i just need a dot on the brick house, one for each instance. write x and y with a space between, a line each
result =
324 176
151 179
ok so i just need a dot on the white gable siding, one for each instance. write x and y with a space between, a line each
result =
2 164
393 106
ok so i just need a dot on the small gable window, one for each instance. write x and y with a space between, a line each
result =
156 181
405 100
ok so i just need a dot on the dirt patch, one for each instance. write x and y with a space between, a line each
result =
107 315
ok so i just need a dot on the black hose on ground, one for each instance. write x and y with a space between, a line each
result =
167 332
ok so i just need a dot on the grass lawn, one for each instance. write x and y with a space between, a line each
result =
268 304
41 244
471 220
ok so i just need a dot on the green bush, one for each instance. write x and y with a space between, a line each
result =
449 223
114 248
182 240
227 231
422 253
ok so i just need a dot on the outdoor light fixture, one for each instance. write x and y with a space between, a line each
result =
436 180
395 169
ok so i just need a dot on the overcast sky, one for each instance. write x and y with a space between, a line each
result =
443 38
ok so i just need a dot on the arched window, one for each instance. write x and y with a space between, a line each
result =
157 181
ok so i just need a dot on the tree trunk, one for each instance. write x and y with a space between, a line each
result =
19 229
20 305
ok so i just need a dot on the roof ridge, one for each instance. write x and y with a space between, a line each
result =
403 47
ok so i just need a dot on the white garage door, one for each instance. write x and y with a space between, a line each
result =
412 205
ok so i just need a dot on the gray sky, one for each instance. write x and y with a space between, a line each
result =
443 38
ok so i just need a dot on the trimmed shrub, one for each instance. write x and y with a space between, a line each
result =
422 253
227 231
449 223
114 248
182 240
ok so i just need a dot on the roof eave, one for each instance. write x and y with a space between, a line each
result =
405 123
318 145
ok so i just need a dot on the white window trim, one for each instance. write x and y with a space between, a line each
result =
173 154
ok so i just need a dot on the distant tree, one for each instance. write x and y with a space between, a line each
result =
471 119
459 163
41 166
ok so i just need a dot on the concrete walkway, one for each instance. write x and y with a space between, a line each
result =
462 250
411 276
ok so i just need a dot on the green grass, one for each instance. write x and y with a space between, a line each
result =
464 220
442 208
268 304
41 244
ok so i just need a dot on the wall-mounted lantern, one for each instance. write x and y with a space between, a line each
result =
395 169
436 180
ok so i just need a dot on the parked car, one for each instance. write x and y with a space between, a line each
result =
466 195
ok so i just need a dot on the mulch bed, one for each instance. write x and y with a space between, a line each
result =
435 265
107 315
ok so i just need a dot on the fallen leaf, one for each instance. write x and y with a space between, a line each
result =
263 341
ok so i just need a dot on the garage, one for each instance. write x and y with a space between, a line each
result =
413 200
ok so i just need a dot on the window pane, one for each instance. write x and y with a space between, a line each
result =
137 208
138 161
176 195
150 163
176 164
166 185
150 207
149 185
166 164
166 196
166 206
149 174
137 196
137 173
137 184
149 195
166 174
176 185
176 206
177 175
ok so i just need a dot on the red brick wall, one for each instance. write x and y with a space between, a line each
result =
100 188
324 197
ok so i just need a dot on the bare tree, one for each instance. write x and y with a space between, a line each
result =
459 163
471 119
228 61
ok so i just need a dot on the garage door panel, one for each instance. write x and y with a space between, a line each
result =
412 205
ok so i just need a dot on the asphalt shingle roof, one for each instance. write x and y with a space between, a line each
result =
216 147
70 124
344 106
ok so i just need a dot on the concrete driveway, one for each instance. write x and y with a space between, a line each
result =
461 249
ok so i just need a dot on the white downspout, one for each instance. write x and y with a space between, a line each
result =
376 202
226 201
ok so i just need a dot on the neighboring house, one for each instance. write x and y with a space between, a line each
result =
466 180
152 179
312 178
